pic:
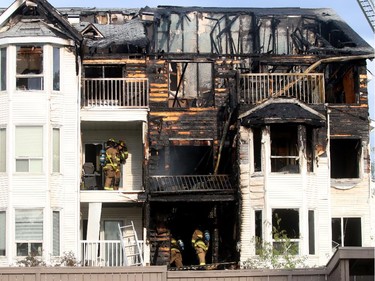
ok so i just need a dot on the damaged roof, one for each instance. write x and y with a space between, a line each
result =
132 32
282 110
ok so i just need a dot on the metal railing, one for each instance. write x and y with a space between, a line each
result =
115 92
103 252
190 183
257 87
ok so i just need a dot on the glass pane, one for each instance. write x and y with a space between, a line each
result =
3 67
2 233
29 141
2 150
36 166
29 60
30 83
56 233
22 249
56 150
36 249
29 225
56 69
22 165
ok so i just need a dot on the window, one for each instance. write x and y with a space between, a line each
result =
2 233
191 82
3 69
284 149
29 74
56 233
285 230
29 232
56 69
257 149
311 232
345 156
56 150
29 149
346 232
2 150
258 230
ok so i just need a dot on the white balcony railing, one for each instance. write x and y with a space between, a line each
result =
115 92
257 87
105 253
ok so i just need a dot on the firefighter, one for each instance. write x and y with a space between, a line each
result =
177 246
200 242
123 151
112 167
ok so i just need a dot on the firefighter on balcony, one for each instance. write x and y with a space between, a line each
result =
112 167
123 151
177 246
200 242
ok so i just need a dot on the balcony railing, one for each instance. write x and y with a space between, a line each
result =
190 183
257 87
115 92
105 253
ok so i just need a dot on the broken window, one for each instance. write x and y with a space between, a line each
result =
3 69
285 229
190 84
343 84
257 149
284 149
346 232
345 156
104 71
191 160
29 68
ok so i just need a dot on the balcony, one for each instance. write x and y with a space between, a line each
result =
257 87
106 253
115 92
191 183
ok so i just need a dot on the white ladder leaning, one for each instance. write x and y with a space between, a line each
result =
129 242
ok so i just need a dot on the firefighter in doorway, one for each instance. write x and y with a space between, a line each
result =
177 246
111 169
200 242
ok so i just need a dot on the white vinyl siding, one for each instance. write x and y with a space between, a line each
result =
56 150
29 149
29 232
2 149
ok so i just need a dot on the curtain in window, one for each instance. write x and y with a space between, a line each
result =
29 225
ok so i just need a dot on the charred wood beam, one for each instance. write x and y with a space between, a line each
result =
178 87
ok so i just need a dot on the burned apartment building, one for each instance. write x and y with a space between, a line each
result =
235 119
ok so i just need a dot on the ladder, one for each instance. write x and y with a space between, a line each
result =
367 7
130 246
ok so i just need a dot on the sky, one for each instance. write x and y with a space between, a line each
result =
348 10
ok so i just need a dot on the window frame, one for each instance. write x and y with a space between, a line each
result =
38 77
56 68
56 233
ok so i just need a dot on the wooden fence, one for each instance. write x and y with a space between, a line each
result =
347 264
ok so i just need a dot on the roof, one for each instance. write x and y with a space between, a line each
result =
282 110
